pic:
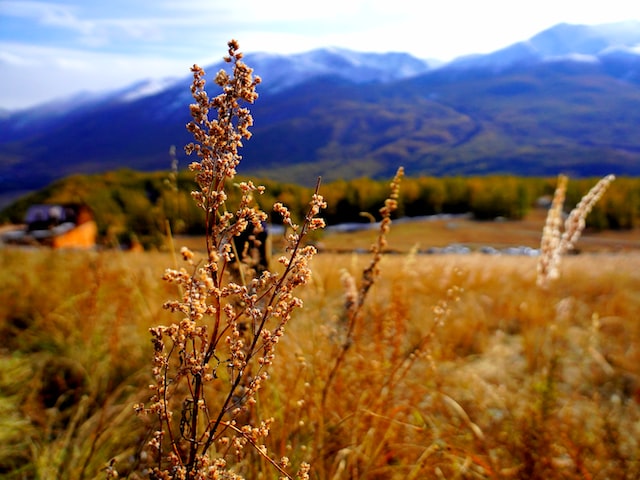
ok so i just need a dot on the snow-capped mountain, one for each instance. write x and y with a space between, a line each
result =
565 39
280 72
566 100
580 43
277 71
145 88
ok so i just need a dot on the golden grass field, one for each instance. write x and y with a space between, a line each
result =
460 366
405 236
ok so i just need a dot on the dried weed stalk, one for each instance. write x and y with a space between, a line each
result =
354 296
556 242
209 367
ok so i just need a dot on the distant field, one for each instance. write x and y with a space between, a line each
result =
407 235
421 235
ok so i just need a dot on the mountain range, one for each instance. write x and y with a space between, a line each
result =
564 101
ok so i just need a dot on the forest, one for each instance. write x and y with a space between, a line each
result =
131 204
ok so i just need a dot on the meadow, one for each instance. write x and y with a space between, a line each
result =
322 366
459 368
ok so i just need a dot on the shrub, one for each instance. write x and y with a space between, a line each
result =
209 367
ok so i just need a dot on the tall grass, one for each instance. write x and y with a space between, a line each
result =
73 326
555 242
550 379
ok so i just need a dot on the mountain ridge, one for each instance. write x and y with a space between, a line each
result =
524 110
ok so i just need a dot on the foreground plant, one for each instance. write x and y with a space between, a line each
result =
209 367
355 298
556 242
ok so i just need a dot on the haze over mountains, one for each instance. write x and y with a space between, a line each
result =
566 100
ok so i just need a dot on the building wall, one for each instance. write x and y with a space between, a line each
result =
83 236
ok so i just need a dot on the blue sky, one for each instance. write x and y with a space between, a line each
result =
52 49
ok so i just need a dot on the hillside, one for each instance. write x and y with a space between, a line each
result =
560 102
130 205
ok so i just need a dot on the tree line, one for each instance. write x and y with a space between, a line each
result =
129 204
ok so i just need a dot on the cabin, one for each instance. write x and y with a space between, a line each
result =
56 226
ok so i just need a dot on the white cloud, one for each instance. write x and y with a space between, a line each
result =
10 60
92 45
49 14
32 75
89 29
